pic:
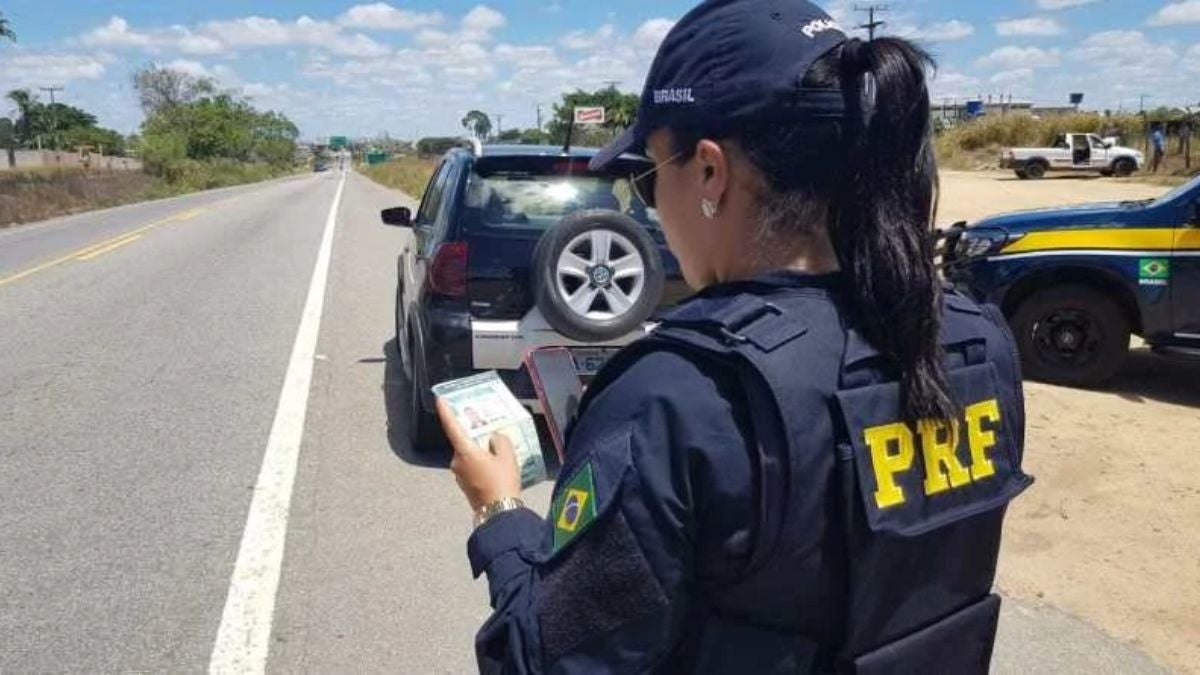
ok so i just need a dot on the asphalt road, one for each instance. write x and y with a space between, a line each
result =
153 359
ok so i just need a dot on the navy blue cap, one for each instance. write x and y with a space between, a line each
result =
731 60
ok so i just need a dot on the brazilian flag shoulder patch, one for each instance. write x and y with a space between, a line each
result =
575 508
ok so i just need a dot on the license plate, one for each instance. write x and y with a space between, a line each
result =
590 361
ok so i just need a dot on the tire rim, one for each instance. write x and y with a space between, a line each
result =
600 275
1068 337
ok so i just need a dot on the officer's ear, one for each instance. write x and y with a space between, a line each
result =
712 161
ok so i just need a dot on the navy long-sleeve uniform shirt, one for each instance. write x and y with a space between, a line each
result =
656 502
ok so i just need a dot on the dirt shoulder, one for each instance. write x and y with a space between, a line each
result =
1108 532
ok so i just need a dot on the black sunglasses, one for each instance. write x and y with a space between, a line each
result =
645 183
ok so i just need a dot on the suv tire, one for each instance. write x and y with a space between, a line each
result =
424 429
597 275
1071 335
1124 167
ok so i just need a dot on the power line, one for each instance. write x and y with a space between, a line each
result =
871 25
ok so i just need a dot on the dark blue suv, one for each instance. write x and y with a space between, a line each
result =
519 247
1076 282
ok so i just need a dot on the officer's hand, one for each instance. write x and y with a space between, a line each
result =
484 475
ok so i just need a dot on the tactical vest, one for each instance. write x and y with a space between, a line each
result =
877 542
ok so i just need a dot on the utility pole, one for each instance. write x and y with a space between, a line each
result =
53 114
499 124
539 117
872 25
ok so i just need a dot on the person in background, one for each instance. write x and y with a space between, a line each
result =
1158 139
805 467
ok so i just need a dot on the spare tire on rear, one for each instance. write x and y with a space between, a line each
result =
597 275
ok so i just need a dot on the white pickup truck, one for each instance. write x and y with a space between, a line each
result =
1073 152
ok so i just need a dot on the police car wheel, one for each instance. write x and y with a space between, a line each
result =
597 275
1071 335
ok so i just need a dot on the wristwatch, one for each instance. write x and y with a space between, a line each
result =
486 512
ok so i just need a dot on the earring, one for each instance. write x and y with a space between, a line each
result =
709 208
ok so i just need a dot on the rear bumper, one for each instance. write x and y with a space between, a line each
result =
459 346
502 345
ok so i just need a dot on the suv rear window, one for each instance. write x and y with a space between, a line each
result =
537 192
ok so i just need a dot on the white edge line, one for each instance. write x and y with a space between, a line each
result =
243 639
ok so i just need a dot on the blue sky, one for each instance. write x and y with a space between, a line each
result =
414 67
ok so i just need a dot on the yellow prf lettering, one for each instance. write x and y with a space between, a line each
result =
887 464
942 468
981 440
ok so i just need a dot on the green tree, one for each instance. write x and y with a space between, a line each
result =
620 110
6 31
25 101
189 121
436 146
478 124
163 89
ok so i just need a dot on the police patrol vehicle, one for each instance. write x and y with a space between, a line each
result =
1076 282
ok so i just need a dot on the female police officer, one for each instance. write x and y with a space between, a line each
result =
805 467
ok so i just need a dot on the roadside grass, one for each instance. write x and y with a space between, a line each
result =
37 194
406 174
191 175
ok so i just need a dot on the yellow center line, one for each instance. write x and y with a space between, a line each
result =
111 247
100 247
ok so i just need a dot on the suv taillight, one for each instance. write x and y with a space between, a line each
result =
448 270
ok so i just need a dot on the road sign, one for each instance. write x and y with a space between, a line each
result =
589 116
338 142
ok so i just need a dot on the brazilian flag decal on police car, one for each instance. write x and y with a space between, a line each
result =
575 507
1154 271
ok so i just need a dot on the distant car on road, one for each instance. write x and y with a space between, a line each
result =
1073 152
320 165
519 247
1076 282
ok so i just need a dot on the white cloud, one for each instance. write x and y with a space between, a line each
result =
1011 57
953 84
1122 50
382 16
1014 76
530 57
116 33
1192 59
650 34
475 27
581 39
1063 4
193 68
29 68
1177 13
257 31
215 37
946 31
1034 25
483 19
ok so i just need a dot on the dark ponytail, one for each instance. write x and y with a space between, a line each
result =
881 213
871 179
